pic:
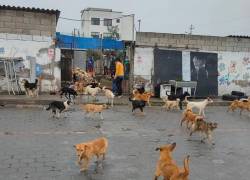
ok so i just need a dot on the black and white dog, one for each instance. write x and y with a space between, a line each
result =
180 96
137 104
68 92
58 106
30 88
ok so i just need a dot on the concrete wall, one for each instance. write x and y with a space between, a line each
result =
233 57
233 69
29 23
35 51
193 42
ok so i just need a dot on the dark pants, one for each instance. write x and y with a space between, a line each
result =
118 82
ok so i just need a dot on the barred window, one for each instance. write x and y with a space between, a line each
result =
95 21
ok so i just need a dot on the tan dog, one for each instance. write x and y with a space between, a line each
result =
94 108
86 151
190 117
92 91
242 105
170 105
143 97
109 94
205 128
168 168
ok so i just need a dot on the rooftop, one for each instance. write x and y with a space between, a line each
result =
99 9
31 9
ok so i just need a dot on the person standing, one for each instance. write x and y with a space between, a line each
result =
119 75
90 66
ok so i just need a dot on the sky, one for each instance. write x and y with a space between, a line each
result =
209 17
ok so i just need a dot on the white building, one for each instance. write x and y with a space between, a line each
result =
97 22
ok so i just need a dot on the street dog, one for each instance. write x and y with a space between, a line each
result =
138 104
190 118
109 94
170 105
143 97
94 108
239 104
92 91
206 128
201 105
30 88
57 107
180 96
167 167
87 150
68 92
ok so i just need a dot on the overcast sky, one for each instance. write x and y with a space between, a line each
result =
209 17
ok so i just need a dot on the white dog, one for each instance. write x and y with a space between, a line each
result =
201 105
92 91
109 94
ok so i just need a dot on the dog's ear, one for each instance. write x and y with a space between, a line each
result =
158 149
173 145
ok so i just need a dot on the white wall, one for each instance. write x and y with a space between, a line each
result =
143 66
234 72
126 25
35 48
233 69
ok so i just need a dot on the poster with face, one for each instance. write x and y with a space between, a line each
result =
204 70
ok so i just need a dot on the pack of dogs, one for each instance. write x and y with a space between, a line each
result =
166 166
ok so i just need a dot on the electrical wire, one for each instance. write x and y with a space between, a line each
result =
71 19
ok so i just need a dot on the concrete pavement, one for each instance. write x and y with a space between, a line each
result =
34 146
46 99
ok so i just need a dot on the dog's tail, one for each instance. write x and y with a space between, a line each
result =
186 100
186 166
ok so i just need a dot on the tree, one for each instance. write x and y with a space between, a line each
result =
114 32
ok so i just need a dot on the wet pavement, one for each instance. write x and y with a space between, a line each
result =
35 146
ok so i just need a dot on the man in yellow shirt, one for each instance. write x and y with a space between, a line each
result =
119 75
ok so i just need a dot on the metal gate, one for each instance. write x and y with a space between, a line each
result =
167 66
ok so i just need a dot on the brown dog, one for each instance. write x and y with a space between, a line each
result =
86 151
167 167
142 97
242 105
190 118
205 128
94 108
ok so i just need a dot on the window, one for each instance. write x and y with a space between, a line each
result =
107 22
95 34
95 21
107 35
117 20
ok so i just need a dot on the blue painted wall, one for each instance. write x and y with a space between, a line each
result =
71 42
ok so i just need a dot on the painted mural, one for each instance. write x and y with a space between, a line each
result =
234 72
204 70
226 71
39 60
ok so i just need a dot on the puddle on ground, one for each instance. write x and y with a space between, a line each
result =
218 161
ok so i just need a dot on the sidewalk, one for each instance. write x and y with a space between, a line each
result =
45 99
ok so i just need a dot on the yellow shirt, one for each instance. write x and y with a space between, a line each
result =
119 69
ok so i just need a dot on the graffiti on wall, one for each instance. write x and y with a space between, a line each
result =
234 72
39 60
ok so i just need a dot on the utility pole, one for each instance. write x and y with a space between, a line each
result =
139 29
191 28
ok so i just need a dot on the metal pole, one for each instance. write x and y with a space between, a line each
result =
139 30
